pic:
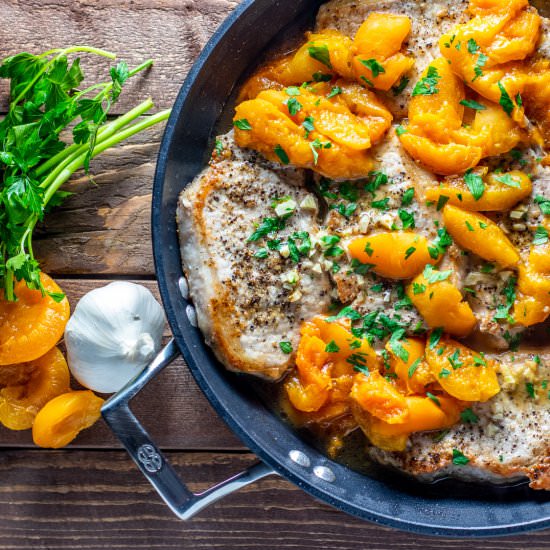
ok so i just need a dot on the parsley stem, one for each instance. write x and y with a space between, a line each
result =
70 49
106 143
69 153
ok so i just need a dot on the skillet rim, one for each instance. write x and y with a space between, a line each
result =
289 471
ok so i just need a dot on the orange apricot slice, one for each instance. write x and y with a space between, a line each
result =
461 372
425 414
37 383
414 372
393 254
32 325
440 303
64 417
477 233
380 398
497 196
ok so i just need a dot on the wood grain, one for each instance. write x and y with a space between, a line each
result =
172 32
172 407
93 499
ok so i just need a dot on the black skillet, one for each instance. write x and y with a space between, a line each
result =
201 109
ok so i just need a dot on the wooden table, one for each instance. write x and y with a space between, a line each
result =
91 495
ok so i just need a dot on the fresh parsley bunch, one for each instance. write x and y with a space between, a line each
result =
36 157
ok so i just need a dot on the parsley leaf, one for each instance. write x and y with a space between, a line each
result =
459 459
544 204
374 66
320 53
427 85
332 347
286 347
509 180
468 416
473 104
242 124
541 236
475 184
505 99
281 153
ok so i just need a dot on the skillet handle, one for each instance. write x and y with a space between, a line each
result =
152 463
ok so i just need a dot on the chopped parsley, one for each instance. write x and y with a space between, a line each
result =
376 180
286 347
413 367
407 218
347 312
242 124
441 202
454 359
218 147
418 288
441 243
308 125
544 204
473 104
374 67
360 268
505 99
434 276
541 236
334 92
503 310
368 249
332 347
321 54
435 337
408 197
459 459
261 254
293 106
267 226
281 153
401 86
400 130
507 179
396 345
433 398
468 416
480 63
469 226
293 91
427 85
321 77
444 373
409 252
474 183
381 204
472 46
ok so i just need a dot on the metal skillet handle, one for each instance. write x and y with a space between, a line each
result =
153 464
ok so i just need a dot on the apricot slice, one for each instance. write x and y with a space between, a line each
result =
529 311
445 159
477 233
393 254
425 414
64 417
414 373
282 140
378 61
496 197
327 52
440 303
377 396
37 383
32 325
461 372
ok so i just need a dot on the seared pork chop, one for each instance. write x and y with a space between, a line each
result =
249 298
506 439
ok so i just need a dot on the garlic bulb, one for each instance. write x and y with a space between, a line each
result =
114 332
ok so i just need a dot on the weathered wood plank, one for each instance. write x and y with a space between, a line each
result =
172 407
171 32
99 499
105 228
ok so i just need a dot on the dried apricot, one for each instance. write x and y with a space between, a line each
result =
64 417
393 254
440 303
36 383
477 233
496 197
32 325
462 373
380 398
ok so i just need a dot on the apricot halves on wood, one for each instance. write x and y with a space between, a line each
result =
32 325
38 382
64 417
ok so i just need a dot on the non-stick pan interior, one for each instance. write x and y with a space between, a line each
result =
203 108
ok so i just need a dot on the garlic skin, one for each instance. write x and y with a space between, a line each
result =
113 334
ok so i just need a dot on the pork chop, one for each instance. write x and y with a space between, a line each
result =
506 438
250 295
